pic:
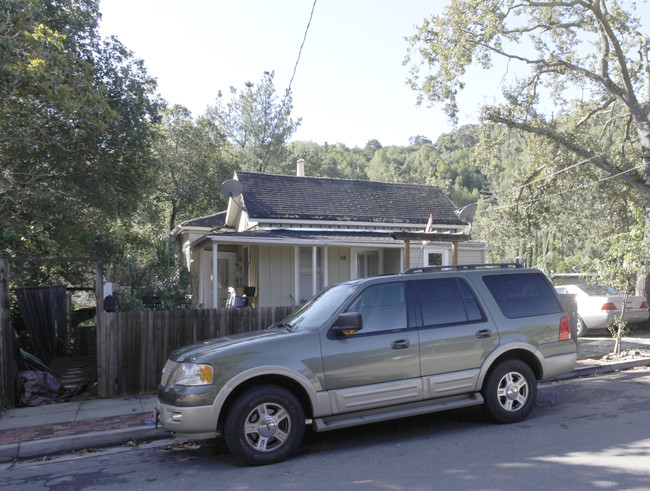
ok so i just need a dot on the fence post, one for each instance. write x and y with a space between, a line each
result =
100 328
7 363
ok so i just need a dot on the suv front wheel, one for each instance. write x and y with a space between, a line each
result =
510 392
265 425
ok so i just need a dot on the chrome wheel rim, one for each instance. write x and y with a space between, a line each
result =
512 392
267 427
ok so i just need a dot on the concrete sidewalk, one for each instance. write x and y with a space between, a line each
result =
33 432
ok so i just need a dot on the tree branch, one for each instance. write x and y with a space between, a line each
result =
599 160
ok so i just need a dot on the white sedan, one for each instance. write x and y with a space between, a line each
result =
601 306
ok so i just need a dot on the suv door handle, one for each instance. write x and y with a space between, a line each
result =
483 333
401 344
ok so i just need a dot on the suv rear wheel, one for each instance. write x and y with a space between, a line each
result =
510 392
265 425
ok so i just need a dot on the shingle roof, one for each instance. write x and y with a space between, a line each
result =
316 198
212 221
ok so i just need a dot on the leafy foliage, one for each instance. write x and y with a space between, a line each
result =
76 115
194 159
257 123
621 256
159 281
579 58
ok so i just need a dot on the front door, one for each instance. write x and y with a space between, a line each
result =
379 365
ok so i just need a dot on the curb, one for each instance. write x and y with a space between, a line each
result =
69 443
590 370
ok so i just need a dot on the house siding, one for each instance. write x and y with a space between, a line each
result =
466 255
338 264
392 260
471 256
276 273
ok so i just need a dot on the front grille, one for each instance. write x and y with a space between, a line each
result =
167 371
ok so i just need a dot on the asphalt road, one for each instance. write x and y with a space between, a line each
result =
590 433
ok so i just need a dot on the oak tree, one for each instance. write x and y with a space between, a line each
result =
576 76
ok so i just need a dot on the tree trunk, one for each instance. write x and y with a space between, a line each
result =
621 327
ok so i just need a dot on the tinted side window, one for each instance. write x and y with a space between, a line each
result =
447 301
523 295
383 307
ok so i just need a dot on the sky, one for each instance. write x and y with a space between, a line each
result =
350 84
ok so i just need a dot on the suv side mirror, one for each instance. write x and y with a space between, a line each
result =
348 323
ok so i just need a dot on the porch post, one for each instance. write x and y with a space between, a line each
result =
314 271
454 252
215 272
407 254
326 279
296 275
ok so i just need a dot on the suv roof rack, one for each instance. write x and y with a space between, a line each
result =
461 267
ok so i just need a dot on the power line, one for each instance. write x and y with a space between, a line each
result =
561 192
553 174
295 67
547 177
288 91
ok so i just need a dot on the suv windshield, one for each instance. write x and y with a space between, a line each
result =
320 308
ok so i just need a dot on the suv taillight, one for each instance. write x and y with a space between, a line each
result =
608 306
644 305
565 329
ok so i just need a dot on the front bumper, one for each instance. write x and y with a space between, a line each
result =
195 423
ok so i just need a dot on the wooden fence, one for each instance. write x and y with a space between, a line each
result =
132 347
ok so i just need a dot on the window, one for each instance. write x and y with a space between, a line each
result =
382 307
434 259
320 308
447 301
523 295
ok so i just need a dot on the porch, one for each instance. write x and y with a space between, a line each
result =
287 267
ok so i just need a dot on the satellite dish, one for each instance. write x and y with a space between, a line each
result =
232 188
466 214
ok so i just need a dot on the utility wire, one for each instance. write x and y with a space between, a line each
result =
553 174
288 91
494 208
549 176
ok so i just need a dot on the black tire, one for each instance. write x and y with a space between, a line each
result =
510 392
265 425
581 328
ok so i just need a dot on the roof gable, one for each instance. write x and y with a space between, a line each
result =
210 221
268 196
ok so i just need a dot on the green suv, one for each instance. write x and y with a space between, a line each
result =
374 349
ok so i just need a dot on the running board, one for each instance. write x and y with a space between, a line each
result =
394 412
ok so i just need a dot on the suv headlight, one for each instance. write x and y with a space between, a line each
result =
193 374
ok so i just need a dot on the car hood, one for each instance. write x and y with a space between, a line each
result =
208 347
